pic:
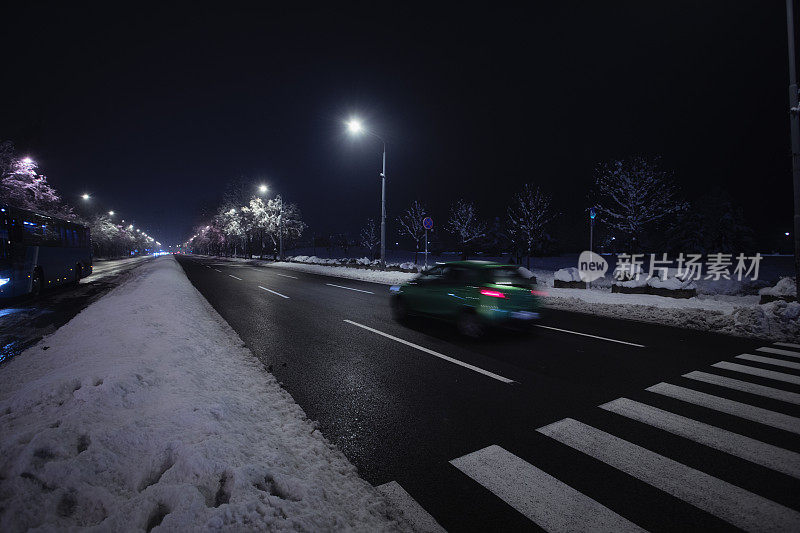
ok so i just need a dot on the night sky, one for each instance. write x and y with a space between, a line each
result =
153 108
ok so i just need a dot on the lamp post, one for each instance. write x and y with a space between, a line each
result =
355 127
794 126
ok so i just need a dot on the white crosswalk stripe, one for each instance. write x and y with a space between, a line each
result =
728 502
778 351
551 504
754 371
769 361
788 345
745 386
723 405
412 511
748 449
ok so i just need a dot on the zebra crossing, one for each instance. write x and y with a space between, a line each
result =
554 505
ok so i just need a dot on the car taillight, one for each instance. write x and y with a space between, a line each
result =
494 294
539 293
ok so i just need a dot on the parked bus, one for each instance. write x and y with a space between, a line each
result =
39 251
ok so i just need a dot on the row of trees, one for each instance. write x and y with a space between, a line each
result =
249 225
21 185
638 206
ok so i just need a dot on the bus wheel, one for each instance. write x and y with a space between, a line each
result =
36 283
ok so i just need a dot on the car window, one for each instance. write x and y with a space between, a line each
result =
463 275
431 274
508 276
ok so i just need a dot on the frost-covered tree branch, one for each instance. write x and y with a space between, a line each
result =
528 216
465 225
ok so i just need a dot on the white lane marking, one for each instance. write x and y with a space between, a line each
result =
726 441
273 292
745 386
293 277
220 271
778 351
592 336
771 374
550 503
788 345
723 405
412 511
349 288
769 361
231 275
435 354
728 502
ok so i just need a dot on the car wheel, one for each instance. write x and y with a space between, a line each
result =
399 309
36 284
470 325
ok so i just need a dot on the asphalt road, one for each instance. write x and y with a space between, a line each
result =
506 433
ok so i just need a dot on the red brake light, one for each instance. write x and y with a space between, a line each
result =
494 294
539 293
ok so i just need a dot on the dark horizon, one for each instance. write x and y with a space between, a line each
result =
154 111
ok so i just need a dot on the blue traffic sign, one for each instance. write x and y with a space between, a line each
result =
592 213
427 223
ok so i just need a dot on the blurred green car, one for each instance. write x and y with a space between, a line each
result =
475 295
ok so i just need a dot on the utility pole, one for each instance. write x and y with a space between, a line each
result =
794 126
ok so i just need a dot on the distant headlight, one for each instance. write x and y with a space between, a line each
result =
394 288
3 281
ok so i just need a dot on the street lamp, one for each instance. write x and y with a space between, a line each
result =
262 189
355 127
85 196
111 213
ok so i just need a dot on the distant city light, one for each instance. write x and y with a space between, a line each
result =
111 213
786 233
28 161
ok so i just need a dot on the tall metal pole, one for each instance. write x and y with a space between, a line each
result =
794 126
383 209
426 248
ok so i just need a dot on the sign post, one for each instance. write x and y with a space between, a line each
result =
592 214
427 223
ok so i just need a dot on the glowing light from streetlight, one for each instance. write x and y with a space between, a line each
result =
354 126
263 189
27 161
85 196
111 213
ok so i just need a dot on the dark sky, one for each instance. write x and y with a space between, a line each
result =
154 107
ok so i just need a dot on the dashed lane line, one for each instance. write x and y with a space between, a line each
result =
592 336
349 288
273 292
435 354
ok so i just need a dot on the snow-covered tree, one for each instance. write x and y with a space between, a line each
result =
465 225
411 226
22 186
370 238
631 195
528 217
286 221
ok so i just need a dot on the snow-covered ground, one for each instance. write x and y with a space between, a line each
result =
146 409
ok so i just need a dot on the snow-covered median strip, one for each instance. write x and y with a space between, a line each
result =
362 274
147 410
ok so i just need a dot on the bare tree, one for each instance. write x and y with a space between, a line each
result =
528 217
632 194
370 238
411 225
465 226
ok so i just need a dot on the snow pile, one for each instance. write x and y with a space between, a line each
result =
387 277
784 287
671 283
344 261
567 274
146 409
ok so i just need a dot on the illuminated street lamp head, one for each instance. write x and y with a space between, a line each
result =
263 189
111 213
27 161
85 196
354 126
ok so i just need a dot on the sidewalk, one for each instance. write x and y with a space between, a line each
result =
146 410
